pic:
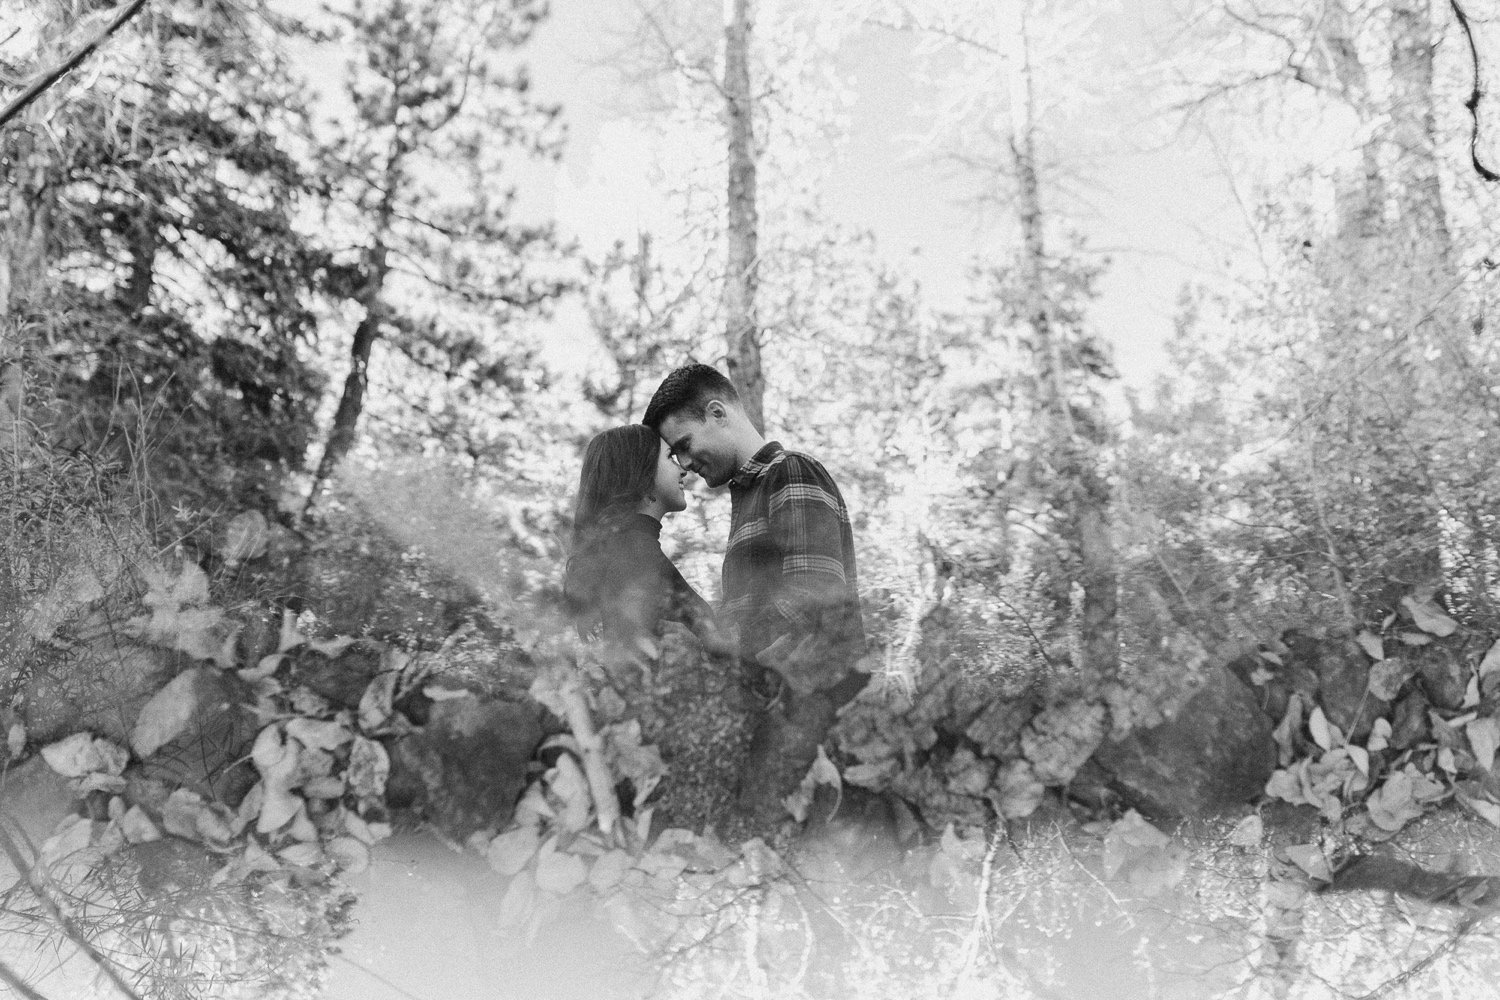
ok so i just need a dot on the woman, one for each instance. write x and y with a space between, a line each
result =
622 587
619 583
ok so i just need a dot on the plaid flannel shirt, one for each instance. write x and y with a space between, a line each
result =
789 567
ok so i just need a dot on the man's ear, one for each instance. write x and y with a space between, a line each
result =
716 409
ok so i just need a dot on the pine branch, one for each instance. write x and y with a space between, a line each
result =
41 84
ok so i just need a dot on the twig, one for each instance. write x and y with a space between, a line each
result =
1476 94
15 982
47 79
37 880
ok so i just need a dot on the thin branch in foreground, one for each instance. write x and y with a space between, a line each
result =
41 84
10 978
1476 94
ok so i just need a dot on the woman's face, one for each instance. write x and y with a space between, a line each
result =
669 481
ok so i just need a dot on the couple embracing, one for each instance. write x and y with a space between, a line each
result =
788 628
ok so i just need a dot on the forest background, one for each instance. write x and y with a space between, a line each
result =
301 268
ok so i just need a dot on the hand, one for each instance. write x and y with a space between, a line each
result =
806 663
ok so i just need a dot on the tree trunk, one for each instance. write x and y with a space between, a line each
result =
742 256
1087 509
346 419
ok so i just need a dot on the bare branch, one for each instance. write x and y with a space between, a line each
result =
47 79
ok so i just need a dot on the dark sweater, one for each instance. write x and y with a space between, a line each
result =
622 584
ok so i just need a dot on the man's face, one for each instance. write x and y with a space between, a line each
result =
702 446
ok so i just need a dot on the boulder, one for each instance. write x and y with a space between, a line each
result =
33 798
1344 676
210 755
1443 676
466 768
341 679
1215 752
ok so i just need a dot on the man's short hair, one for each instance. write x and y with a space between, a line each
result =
688 390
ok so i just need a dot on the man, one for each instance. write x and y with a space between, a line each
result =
789 579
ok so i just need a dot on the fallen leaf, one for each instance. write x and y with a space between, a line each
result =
245 537
1380 735
1388 676
15 739
349 854
375 704
167 714
319 734
1471 692
567 783
1484 740
305 855
82 754
1317 724
1483 808
1371 644
1248 832
557 872
871 775
608 869
513 850
1491 661
1270 657
1309 857
73 834
369 767
1290 723
1361 758
267 666
1428 617
1415 639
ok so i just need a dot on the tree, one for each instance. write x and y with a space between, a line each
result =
441 271
157 281
742 265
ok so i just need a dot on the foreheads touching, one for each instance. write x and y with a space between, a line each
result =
688 392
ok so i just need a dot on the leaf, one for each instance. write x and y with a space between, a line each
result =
567 782
167 714
1491 661
1270 657
1483 808
872 776
1388 676
1361 758
1018 792
1260 675
1446 762
1380 735
1371 644
375 704
73 834
1143 855
15 739
609 869
517 903
1317 724
1309 857
557 872
1394 803
369 767
1414 639
82 754
349 854
1290 723
1284 785
319 734
1248 832
1471 693
267 666
513 850
245 537
137 826
304 855
1428 617
821 772
1484 740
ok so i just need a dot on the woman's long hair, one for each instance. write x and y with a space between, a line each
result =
619 471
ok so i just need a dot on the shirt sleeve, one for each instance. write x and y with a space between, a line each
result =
807 522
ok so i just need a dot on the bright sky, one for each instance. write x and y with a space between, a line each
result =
1167 216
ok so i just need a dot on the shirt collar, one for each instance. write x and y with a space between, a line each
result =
756 464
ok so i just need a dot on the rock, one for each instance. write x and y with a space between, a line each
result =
210 755
1216 752
466 768
100 687
33 797
1344 675
997 730
1411 724
341 679
1442 675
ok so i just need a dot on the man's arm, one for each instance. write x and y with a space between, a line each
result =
812 609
